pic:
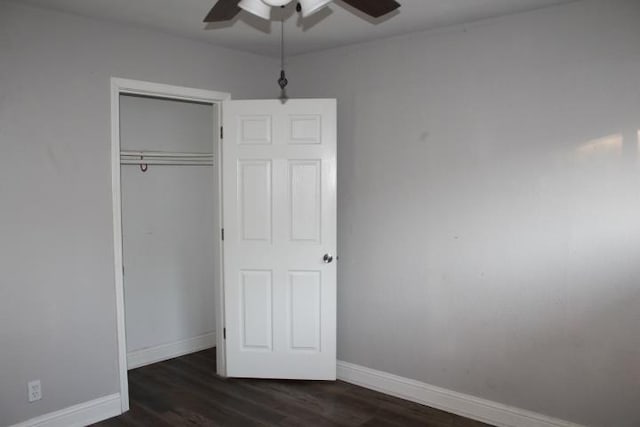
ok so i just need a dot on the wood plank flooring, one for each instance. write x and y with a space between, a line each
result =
186 392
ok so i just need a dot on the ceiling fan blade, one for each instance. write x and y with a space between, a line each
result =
374 8
224 10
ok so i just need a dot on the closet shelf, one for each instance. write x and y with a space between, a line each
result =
165 158
148 154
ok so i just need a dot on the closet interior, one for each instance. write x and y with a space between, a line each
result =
169 208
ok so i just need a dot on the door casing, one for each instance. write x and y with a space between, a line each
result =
156 90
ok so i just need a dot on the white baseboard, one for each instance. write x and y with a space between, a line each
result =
147 356
79 415
450 401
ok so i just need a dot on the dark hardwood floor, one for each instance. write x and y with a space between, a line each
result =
186 392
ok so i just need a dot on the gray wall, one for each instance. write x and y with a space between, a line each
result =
167 220
57 300
489 208
488 203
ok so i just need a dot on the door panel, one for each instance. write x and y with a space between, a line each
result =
279 181
256 301
305 198
254 129
255 199
305 289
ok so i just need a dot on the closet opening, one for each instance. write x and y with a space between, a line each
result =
167 224
168 233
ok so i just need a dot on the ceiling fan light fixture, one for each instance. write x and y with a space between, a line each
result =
256 7
276 3
309 7
226 10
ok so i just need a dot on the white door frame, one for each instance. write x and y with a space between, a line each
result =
157 90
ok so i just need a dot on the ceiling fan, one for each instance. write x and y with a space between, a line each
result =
225 10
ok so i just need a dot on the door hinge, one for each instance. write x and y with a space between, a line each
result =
123 269
222 233
224 333
221 132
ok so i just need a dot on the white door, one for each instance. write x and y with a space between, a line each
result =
279 184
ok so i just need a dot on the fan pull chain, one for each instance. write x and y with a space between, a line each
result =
282 81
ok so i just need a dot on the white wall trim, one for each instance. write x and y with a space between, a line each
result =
120 86
79 415
147 356
450 401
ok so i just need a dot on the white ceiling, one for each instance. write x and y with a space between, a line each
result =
336 25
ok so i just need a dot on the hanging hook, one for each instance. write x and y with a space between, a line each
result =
143 166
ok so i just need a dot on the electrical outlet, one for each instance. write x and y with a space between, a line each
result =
34 390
